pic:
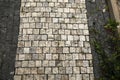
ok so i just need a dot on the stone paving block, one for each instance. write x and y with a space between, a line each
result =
17 78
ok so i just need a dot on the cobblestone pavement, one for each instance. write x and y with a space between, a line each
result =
53 41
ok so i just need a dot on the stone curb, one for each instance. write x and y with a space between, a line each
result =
114 9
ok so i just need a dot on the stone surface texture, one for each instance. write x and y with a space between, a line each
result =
53 41
9 25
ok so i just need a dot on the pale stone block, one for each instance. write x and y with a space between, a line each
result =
89 56
54 56
60 0
72 49
20 71
35 43
45 63
24 19
78 77
24 63
50 37
25 25
86 50
86 77
85 63
47 70
63 37
55 20
20 44
75 56
62 70
83 70
68 43
76 70
21 56
87 38
66 10
81 26
66 63
81 43
33 4
87 44
72 63
67 21
64 15
34 14
36 77
51 63
43 19
42 43
69 70
68 56
67 32
33 70
48 43
18 64
31 64
38 63
49 31
65 50
65 0
58 77
55 70
58 15
46 50
35 31
28 56
42 31
62 56
61 20
61 43
52 50
38 50
25 37
24 31
79 63
92 77
82 38
85 32
50 77
72 10
48 56
60 9
75 26
42 0
70 37
16 77
55 43
35 56
41 70
44 37
52 14
54 0
90 70
81 56
61 32
27 43
76 38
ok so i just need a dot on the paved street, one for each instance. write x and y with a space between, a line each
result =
53 42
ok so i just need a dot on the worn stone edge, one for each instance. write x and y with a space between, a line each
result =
114 12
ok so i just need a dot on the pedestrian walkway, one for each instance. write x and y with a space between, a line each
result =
53 41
